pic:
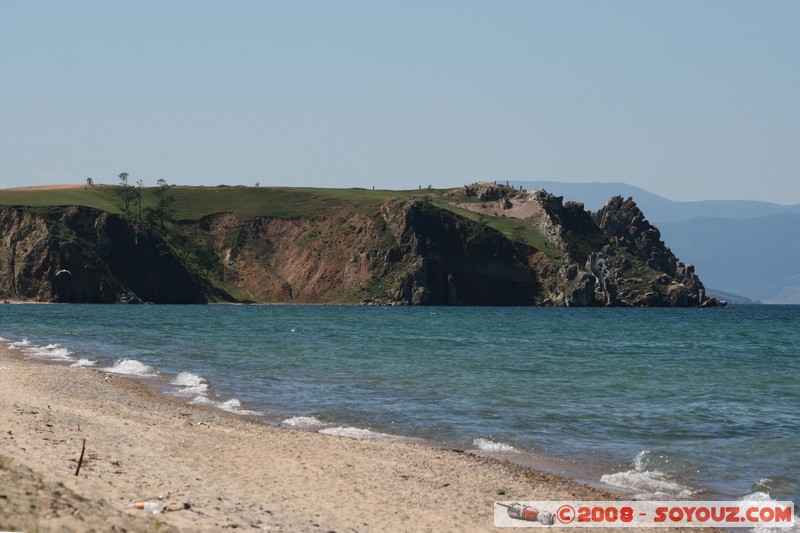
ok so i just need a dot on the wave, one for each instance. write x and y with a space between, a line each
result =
356 433
760 497
303 421
55 352
487 445
131 367
648 483
232 406
50 352
187 383
19 345
190 384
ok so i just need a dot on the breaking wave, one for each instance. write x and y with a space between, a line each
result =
355 433
190 384
303 421
487 445
131 367
232 406
648 483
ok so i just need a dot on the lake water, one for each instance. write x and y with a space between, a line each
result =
668 403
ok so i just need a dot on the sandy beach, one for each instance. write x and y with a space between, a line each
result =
216 471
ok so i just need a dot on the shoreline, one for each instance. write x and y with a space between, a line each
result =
214 469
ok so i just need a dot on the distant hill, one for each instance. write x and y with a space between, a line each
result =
756 257
738 246
656 208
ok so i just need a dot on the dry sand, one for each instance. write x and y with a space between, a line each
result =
216 471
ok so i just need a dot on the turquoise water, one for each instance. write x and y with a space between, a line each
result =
687 403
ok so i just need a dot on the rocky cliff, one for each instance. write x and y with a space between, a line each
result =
82 255
427 250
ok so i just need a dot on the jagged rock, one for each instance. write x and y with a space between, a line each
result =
130 298
713 302
677 296
484 191
625 223
583 294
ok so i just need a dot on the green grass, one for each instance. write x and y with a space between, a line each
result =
520 230
193 203
99 196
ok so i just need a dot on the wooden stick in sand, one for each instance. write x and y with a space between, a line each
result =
80 460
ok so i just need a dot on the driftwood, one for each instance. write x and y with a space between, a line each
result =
80 460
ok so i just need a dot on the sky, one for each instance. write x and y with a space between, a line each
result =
691 100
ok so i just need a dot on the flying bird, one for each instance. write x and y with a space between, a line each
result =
63 271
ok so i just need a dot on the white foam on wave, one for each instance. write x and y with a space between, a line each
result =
487 445
190 384
49 352
303 421
647 483
83 362
355 433
235 406
758 497
19 345
202 400
54 352
232 406
131 367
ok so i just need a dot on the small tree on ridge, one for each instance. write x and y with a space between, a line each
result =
126 190
164 199
138 198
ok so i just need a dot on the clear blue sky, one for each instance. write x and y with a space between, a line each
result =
688 99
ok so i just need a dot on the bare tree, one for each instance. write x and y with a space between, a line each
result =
138 198
164 199
126 190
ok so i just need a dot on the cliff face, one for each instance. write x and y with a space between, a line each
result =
453 261
414 252
78 254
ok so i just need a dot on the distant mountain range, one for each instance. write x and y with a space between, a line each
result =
739 247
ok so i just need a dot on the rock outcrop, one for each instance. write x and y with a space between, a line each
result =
614 258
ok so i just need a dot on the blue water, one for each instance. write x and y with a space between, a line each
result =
666 402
